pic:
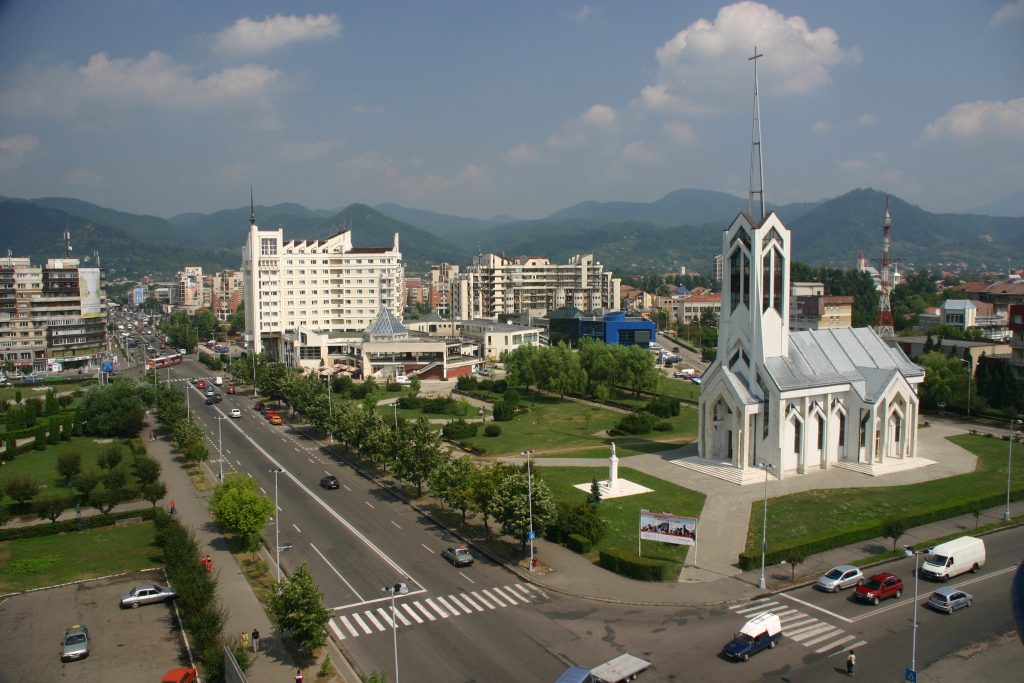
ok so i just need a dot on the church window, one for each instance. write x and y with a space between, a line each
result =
797 435
735 275
821 433
864 428
765 408
842 429
766 281
898 431
777 278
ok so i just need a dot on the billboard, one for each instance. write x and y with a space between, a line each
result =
89 292
138 296
661 526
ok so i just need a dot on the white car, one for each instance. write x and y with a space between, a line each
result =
235 412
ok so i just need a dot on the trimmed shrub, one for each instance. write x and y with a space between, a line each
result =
486 385
503 412
499 386
466 383
460 429
578 544
492 430
663 406
663 426
636 423
631 565
67 525
409 402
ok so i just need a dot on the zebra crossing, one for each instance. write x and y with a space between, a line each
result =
802 628
410 613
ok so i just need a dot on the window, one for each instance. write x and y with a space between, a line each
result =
268 247
821 433
864 428
842 429
797 435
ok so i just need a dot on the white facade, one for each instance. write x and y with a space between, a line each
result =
326 285
495 285
802 400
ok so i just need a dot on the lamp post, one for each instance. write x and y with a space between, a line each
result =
1009 462
399 588
970 376
529 498
330 411
395 406
277 525
220 448
764 523
188 402
908 550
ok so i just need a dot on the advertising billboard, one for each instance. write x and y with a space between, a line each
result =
89 292
138 296
661 526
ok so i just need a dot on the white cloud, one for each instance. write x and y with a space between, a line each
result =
982 119
599 115
583 14
1011 11
681 133
304 151
155 81
867 119
639 151
522 154
85 177
577 132
249 37
238 172
14 149
821 127
704 66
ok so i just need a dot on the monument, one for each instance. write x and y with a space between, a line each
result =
613 487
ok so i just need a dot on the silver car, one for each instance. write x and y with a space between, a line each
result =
146 594
75 644
838 578
950 599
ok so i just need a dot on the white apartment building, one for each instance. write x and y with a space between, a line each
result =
226 289
325 285
188 292
494 285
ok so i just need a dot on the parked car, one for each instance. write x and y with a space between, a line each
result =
762 631
949 599
329 482
230 390
235 412
259 407
879 587
147 594
269 414
276 419
685 372
952 558
180 675
838 578
458 555
75 644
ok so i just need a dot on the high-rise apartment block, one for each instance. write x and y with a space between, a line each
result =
188 292
226 291
325 285
494 285
441 277
52 314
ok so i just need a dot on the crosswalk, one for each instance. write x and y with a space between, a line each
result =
797 626
409 613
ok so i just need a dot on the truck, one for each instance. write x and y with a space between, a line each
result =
625 667
762 631
952 558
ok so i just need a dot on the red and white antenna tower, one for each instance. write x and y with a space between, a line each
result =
884 325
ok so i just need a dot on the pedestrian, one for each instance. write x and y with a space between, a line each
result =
209 564
255 640
851 661
298 676
174 510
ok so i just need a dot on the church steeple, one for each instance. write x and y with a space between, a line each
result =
252 208
756 196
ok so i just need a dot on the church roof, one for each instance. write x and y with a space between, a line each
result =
854 355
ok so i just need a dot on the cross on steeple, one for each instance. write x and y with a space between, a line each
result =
756 155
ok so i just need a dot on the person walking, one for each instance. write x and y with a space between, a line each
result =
298 676
851 662
255 640
174 511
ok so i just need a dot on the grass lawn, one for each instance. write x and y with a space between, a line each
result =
39 390
623 514
815 512
50 560
42 465
677 388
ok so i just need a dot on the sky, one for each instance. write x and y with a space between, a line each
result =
512 108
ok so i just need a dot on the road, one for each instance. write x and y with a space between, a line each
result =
482 624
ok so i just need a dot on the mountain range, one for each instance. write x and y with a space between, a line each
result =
683 228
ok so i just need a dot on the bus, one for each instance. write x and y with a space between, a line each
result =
163 361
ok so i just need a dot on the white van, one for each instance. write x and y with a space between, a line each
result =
952 558
218 381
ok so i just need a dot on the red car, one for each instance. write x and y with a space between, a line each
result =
230 390
182 675
200 384
879 587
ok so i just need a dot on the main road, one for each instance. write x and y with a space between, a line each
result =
482 623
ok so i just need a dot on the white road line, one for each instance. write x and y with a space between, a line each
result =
364 603
492 597
427 613
238 461
227 451
433 606
354 591
475 606
337 631
444 603
522 589
370 504
820 609
297 528
310 459
814 623
428 549
401 617
346 487
262 489
250 476
859 643
460 605
412 612
813 631
795 624
757 608
743 605
483 600
326 472
466 577
782 614
395 523
535 589
831 634
362 624
511 601
384 614
834 644
351 630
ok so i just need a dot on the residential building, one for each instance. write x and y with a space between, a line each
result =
635 299
966 314
496 286
718 267
441 278
966 349
1016 324
52 316
416 292
811 309
188 292
322 285
684 309
226 293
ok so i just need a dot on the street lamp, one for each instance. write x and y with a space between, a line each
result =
330 411
277 525
908 550
399 588
970 375
395 406
1009 461
764 523
220 448
529 495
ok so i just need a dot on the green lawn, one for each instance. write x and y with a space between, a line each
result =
42 465
623 514
816 512
39 390
677 388
49 560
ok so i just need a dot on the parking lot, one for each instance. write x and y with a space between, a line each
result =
125 645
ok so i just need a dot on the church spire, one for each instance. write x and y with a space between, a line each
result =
252 208
756 197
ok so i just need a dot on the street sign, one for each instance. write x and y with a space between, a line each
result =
531 535
910 676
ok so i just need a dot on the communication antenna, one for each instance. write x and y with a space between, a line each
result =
756 154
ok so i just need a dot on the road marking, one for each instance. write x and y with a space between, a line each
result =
227 451
346 487
262 489
387 618
511 601
370 504
349 627
362 624
354 591
460 605
795 624
238 461
433 606
428 549
820 609
805 630
412 612
310 459
832 632
250 475
493 598
833 644
401 617
483 600
326 472
472 604
337 631
297 528
373 619
395 523
466 577
427 613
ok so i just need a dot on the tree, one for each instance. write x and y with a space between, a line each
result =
113 410
154 491
23 488
515 505
484 481
452 482
239 507
52 505
297 607
68 466
10 447
146 469
50 405
636 368
794 556
421 453
111 457
594 497
893 527
563 371
86 482
40 442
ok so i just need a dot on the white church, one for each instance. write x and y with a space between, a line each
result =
796 402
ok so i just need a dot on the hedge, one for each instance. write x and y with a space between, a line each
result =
65 525
812 545
578 543
633 566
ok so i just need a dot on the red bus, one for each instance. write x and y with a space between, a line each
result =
163 361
